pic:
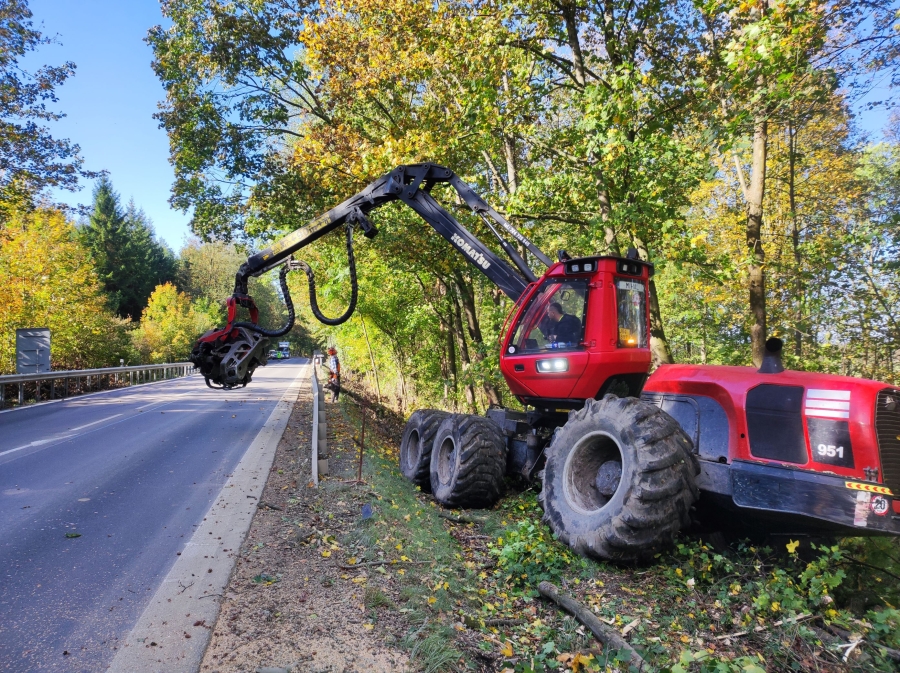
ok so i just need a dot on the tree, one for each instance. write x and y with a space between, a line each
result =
30 158
593 126
50 282
206 272
169 326
129 259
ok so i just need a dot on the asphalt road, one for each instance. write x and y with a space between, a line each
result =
132 472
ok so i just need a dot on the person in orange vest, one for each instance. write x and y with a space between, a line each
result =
334 374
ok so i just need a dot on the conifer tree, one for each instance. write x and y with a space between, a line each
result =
130 262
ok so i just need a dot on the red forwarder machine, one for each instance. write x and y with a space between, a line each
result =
625 461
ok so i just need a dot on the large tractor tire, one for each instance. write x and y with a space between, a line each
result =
468 461
620 480
415 447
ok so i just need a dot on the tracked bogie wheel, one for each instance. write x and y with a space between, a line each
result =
415 446
468 461
620 479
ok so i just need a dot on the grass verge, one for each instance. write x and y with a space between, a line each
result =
464 596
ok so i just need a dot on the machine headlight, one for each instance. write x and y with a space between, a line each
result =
553 365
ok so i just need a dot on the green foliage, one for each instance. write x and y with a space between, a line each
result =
592 128
50 282
30 157
761 588
707 663
129 260
528 553
169 326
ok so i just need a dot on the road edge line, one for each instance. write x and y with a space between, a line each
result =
172 633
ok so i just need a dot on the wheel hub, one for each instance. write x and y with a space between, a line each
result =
412 450
592 472
446 459
608 477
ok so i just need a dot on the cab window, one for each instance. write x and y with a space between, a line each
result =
554 318
631 302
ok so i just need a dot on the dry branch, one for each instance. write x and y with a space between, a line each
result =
792 620
609 637
384 563
460 519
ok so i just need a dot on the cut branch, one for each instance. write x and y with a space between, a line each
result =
606 635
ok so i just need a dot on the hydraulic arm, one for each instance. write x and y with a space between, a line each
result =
227 357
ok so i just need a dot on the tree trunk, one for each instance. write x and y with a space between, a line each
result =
448 369
569 11
463 353
660 352
512 173
795 241
757 274
467 298
372 359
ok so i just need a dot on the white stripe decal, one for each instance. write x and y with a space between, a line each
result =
828 394
827 404
826 413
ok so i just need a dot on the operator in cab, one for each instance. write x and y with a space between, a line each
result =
559 327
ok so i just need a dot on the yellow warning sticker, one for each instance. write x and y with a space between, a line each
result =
871 488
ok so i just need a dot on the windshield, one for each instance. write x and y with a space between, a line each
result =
554 318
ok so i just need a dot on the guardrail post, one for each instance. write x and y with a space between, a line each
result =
323 429
2 396
319 456
21 394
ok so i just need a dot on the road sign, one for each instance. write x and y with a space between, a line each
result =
33 350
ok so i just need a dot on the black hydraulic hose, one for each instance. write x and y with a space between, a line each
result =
282 277
354 288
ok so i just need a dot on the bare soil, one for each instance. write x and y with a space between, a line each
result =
289 604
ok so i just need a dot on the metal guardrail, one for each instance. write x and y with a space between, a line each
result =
90 380
319 456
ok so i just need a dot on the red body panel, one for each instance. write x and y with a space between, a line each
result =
729 386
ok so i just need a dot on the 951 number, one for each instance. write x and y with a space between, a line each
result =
830 450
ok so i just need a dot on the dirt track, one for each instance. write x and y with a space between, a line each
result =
289 605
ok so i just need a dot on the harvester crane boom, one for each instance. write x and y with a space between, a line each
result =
227 357
412 185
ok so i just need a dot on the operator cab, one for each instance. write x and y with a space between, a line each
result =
581 331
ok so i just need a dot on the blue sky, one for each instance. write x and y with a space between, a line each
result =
111 99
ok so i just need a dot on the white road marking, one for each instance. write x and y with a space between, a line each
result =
39 442
87 425
177 398
57 438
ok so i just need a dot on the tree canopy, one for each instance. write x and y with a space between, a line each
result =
31 159
50 282
705 135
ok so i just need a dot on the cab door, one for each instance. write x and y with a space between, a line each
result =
545 356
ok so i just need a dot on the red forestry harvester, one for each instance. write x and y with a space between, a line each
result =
625 461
